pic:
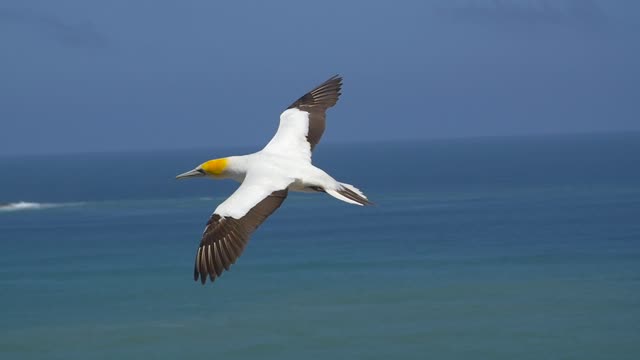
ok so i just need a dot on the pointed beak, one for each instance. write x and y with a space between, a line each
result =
192 173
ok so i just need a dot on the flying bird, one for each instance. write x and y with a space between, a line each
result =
266 177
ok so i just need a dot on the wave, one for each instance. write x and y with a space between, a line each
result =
129 203
25 205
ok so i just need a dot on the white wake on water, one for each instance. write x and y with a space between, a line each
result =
25 205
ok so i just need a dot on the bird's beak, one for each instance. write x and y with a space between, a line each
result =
192 173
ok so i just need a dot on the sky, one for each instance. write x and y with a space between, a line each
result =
118 75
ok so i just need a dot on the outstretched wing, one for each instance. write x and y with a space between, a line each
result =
303 123
231 225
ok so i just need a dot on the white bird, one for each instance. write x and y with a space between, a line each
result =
266 177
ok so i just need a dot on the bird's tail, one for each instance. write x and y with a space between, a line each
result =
350 194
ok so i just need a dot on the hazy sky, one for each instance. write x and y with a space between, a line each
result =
88 75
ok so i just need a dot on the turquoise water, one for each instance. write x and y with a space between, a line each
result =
505 248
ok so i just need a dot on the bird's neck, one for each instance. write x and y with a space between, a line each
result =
236 168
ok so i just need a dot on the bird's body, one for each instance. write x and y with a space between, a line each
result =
302 176
266 176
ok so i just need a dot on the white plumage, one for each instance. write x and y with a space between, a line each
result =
266 176
291 138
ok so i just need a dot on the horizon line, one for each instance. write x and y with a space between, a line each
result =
329 143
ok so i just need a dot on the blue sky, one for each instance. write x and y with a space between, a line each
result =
88 75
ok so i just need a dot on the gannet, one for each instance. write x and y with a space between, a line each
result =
266 177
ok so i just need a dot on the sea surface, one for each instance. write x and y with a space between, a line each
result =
486 248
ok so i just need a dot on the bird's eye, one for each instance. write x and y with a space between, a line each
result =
201 171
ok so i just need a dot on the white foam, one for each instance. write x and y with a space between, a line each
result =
24 205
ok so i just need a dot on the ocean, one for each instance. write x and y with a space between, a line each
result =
486 248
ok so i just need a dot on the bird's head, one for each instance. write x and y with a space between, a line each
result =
215 168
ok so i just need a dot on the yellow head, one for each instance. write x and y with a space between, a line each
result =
213 168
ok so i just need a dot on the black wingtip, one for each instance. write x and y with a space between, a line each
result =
324 95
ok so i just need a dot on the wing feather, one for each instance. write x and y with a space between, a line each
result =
225 237
303 123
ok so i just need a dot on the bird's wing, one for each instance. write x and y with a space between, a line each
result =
233 221
302 124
